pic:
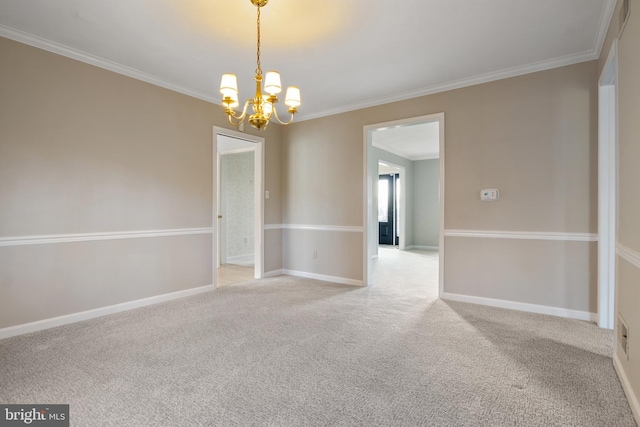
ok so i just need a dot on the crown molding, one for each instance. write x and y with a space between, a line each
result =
607 13
608 10
458 84
603 26
87 58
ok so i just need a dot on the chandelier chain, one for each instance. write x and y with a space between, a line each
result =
263 103
259 69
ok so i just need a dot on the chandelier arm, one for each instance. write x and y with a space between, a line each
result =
275 113
261 116
241 117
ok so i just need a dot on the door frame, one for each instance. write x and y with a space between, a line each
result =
369 221
607 188
258 182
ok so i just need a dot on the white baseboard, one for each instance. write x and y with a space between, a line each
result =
332 279
40 325
242 259
523 306
273 273
427 248
628 391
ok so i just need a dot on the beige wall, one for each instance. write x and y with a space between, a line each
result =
339 254
85 150
628 274
568 270
534 137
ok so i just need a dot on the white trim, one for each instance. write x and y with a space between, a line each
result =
628 390
220 252
472 81
523 235
522 306
273 273
441 248
53 322
426 248
603 26
430 157
628 254
242 259
111 235
258 149
607 188
236 151
589 55
342 228
324 278
87 58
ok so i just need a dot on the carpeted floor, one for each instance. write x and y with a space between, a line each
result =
287 351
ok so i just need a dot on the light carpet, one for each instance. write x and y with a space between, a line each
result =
287 351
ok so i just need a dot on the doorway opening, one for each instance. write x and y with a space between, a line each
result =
238 207
389 211
404 200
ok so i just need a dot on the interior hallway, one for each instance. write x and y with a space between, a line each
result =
414 271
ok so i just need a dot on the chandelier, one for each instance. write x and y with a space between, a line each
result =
263 104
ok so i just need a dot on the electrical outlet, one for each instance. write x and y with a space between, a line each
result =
623 335
315 254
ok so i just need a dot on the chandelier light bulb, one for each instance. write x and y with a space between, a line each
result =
292 99
272 83
267 107
229 85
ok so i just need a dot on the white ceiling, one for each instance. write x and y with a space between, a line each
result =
414 142
342 54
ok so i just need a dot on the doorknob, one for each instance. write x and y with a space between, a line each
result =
219 216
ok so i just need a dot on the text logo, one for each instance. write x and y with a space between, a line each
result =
34 415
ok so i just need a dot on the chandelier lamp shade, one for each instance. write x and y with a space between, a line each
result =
267 89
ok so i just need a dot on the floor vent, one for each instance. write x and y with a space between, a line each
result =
623 335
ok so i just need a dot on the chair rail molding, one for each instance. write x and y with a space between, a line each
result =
109 235
523 235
